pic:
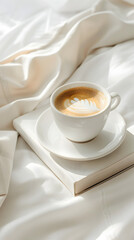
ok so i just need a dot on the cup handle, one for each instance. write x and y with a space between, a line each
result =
115 100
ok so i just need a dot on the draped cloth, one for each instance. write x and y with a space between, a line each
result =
44 44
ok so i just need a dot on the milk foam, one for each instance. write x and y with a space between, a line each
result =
81 106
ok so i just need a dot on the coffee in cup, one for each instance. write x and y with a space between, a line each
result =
80 101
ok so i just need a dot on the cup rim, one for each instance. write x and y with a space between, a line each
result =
86 84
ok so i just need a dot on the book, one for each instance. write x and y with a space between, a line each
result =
75 175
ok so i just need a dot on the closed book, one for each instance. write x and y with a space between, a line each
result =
77 176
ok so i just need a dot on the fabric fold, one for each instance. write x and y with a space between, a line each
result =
32 73
7 149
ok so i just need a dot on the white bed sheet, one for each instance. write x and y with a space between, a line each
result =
43 44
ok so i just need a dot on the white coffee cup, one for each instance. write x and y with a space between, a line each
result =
83 128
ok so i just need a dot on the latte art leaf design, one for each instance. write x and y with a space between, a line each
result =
81 106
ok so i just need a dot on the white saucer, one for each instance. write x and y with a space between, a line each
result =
106 142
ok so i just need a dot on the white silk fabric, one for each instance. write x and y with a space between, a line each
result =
44 44
7 150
